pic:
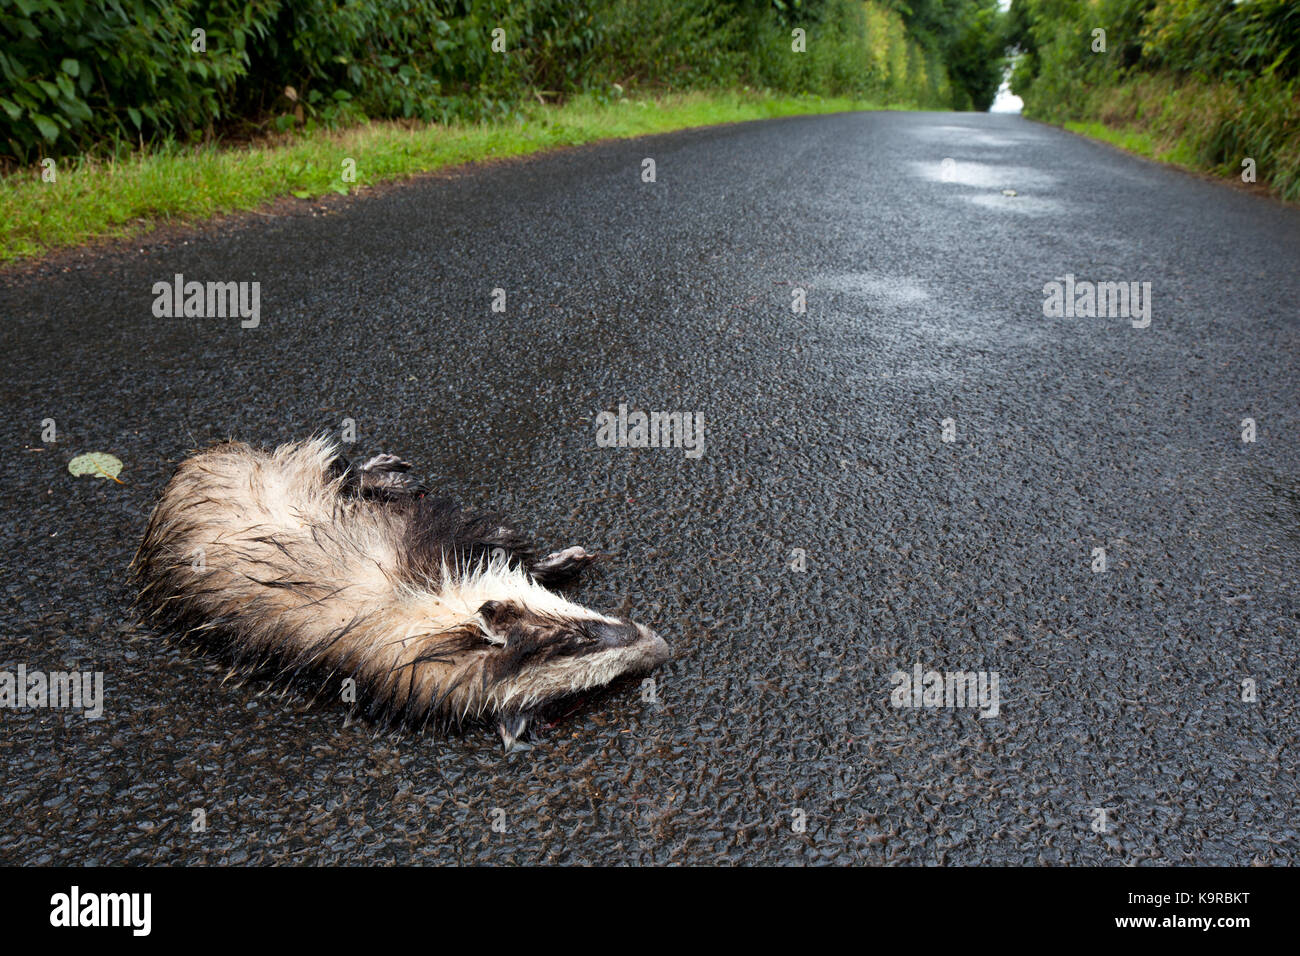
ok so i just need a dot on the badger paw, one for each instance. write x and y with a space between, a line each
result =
561 566
385 475
512 727
386 463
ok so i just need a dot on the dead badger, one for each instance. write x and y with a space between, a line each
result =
297 560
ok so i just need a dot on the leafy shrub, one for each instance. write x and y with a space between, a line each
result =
104 75
74 71
1214 81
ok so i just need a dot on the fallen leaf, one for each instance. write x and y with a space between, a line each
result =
98 464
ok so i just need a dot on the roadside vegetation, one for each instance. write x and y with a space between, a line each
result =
118 198
1208 84
115 115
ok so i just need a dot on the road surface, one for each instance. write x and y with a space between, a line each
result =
1145 713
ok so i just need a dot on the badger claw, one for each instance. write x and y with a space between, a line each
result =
386 476
560 566
386 463
512 727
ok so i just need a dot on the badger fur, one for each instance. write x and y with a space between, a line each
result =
296 560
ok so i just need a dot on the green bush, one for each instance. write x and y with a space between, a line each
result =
105 75
1213 81
75 71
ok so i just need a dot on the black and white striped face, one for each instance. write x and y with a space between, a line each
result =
544 647
571 650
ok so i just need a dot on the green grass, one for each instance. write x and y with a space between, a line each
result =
1135 141
1207 126
94 200
1138 141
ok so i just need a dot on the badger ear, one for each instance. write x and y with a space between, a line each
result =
498 615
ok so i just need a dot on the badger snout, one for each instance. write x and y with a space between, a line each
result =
652 649
656 648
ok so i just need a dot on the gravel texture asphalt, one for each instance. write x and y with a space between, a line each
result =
1121 734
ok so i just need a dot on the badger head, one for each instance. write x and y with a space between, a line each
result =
541 656
536 647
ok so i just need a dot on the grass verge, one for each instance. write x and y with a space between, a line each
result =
1213 127
94 200
1137 141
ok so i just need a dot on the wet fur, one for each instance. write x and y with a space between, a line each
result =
299 561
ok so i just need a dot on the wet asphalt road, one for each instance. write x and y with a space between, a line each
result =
1119 691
